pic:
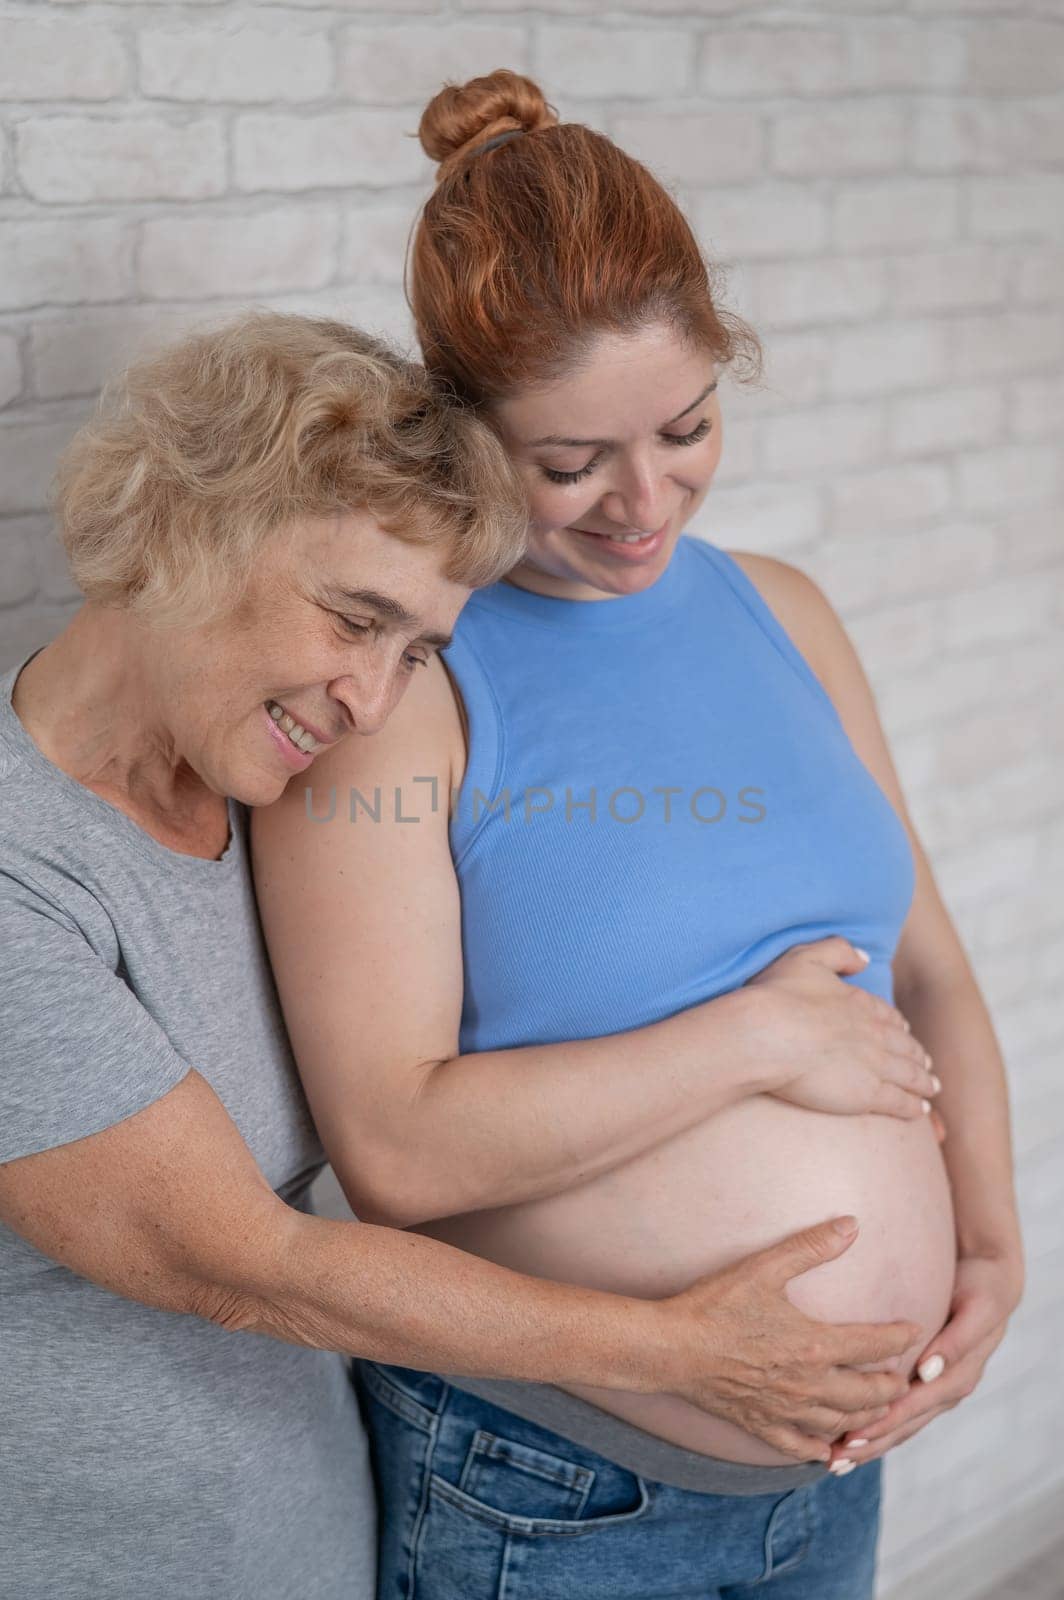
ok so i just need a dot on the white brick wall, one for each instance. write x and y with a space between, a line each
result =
883 179
88 159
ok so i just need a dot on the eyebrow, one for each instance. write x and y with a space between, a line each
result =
385 606
553 438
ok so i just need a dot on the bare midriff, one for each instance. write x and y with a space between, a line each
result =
745 1179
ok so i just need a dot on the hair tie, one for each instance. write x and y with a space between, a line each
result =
500 138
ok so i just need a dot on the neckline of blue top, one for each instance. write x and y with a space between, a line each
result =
620 611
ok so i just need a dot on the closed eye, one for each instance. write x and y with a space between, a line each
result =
572 477
694 436
351 625
357 628
696 433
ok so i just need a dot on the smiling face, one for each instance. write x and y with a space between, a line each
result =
338 617
615 459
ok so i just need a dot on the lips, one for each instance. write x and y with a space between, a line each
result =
296 759
642 553
315 733
623 536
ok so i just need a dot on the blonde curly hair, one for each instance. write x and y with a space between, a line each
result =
198 454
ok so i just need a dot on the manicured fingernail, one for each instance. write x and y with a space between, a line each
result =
856 1444
936 1083
932 1368
862 953
926 1104
841 1467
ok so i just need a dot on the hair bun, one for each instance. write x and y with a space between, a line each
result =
464 116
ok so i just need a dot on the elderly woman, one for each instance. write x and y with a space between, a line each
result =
274 525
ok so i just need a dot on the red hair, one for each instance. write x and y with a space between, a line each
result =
527 250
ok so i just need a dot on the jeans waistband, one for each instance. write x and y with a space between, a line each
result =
606 1435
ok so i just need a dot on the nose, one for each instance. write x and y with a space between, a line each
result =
638 502
368 698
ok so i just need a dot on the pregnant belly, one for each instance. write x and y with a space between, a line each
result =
752 1175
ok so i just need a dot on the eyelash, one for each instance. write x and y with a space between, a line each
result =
360 627
694 437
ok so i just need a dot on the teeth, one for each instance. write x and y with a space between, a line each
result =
299 736
626 538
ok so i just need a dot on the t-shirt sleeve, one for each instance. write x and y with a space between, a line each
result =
78 1050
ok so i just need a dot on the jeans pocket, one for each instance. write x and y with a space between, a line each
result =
523 1505
517 1480
791 1530
471 1549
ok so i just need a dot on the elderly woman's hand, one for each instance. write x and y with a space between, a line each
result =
747 1354
986 1291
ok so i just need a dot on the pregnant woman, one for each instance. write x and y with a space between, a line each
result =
668 783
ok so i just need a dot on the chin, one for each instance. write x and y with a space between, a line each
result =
633 579
257 789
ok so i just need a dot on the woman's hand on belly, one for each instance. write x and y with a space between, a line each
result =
986 1292
699 1210
760 1363
838 1048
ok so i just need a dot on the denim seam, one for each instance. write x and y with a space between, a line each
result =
535 1527
504 1568
498 1448
772 1569
402 1405
423 1504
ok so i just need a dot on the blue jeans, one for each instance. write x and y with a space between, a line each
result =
478 1504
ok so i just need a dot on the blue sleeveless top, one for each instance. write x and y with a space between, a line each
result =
660 799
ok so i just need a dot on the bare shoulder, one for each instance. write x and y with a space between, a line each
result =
929 947
805 613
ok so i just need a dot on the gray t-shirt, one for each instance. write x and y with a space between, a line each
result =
146 1455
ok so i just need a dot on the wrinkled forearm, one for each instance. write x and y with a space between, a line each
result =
398 1297
169 1208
